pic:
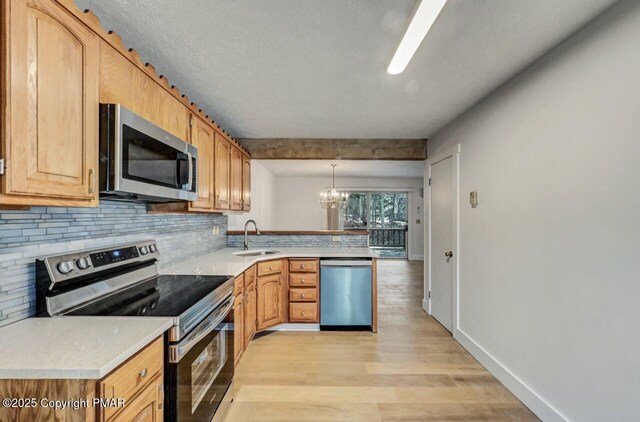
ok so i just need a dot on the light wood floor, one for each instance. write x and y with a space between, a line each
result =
412 370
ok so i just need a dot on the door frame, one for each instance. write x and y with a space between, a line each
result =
453 153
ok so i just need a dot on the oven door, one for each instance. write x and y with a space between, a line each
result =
200 368
151 162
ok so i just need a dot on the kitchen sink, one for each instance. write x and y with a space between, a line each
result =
255 253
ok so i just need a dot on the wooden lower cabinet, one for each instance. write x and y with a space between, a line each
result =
131 380
303 312
269 301
134 392
238 327
250 297
303 290
147 406
51 389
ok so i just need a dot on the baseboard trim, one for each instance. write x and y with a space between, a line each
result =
295 327
519 388
425 305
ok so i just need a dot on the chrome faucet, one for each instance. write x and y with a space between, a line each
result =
246 237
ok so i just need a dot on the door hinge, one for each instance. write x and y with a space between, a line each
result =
429 181
190 121
429 294
1 166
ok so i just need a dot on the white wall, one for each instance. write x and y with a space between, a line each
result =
262 200
549 267
298 207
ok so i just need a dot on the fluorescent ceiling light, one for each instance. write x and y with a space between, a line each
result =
424 17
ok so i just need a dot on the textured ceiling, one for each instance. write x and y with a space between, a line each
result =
345 168
317 68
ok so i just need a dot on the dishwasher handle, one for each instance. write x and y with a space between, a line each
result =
346 263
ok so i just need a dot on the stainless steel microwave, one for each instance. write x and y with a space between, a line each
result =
141 162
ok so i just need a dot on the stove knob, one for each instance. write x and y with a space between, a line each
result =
153 248
83 263
65 267
144 250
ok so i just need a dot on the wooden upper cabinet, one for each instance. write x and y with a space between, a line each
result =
235 186
202 138
221 172
51 109
121 82
246 183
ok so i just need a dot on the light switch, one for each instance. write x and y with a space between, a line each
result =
336 238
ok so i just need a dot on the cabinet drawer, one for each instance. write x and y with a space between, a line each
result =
269 267
298 294
249 276
303 312
238 285
303 280
136 373
303 265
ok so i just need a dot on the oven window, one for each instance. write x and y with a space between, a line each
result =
206 367
149 160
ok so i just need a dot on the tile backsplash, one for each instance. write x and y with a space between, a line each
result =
300 241
45 231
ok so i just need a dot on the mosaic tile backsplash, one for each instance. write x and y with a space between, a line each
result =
45 231
300 241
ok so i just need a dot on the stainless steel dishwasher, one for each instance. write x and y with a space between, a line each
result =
345 294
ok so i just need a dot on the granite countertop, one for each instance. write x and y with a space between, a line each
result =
75 347
224 262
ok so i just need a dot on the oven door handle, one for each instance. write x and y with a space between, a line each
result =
177 351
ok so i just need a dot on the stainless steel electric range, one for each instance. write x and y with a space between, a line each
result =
124 280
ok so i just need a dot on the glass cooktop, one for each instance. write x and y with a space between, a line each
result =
164 295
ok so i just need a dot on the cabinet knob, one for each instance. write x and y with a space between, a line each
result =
302 266
302 313
302 295
302 281
143 373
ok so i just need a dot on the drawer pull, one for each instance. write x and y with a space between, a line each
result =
302 313
143 373
302 281
302 295
301 265
270 268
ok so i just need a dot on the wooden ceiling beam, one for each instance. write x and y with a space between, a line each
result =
335 149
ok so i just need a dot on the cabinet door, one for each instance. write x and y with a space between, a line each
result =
250 310
222 158
238 328
202 138
269 301
146 407
246 183
236 180
52 87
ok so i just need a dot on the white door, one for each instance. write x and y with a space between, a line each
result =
441 251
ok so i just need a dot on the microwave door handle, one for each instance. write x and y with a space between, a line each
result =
190 180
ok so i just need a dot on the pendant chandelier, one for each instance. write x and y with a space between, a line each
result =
331 198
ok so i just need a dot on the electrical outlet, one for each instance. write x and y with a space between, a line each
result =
336 238
215 230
